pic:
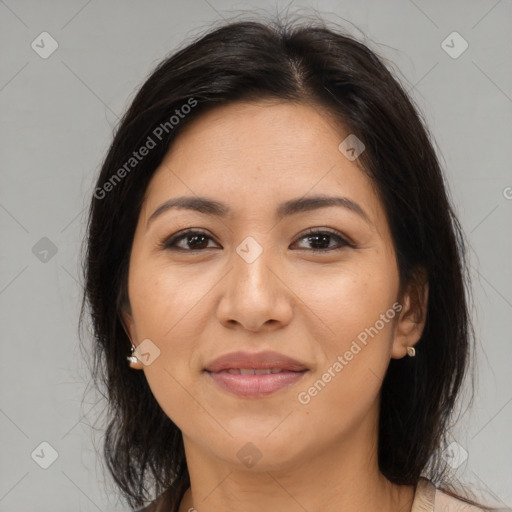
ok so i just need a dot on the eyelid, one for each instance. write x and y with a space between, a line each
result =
166 243
330 231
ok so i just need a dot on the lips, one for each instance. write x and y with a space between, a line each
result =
252 371
255 375
255 361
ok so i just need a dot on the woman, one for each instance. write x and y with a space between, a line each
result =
272 247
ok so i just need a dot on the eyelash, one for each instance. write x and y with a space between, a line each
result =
169 243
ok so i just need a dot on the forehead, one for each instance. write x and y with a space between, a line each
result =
259 154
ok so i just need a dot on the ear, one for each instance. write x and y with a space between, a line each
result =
129 327
413 315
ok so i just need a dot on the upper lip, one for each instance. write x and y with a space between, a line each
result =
258 360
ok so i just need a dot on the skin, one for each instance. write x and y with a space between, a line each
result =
197 305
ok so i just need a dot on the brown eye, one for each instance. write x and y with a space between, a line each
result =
320 241
194 241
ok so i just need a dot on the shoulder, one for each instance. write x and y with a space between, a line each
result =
428 498
446 503
424 496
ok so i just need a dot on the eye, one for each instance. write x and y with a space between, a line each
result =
323 238
194 241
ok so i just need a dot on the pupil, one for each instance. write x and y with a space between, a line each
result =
195 238
323 238
315 240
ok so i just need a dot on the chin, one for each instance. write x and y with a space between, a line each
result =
261 451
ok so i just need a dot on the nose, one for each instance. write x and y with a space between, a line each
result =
255 295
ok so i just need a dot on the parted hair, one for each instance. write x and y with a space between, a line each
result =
306 62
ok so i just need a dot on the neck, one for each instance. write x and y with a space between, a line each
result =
341 476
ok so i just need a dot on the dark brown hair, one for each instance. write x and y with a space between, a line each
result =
310 63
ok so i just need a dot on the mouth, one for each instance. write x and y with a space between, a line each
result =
255 383
253 371
267 360
255 375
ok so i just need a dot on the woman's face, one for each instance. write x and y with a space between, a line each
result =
252 281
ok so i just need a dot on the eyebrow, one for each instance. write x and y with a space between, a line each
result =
210 207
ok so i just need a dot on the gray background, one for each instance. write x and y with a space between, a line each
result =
58 114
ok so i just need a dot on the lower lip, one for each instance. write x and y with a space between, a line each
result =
255 386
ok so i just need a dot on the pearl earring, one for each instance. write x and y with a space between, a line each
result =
411 351
132 359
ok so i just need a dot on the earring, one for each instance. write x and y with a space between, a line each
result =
411 351
132 359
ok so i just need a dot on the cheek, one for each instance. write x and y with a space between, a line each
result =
164 313
164 309
357 307
163 300
343 392
352 298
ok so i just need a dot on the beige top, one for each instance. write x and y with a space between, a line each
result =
427 498
430 499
